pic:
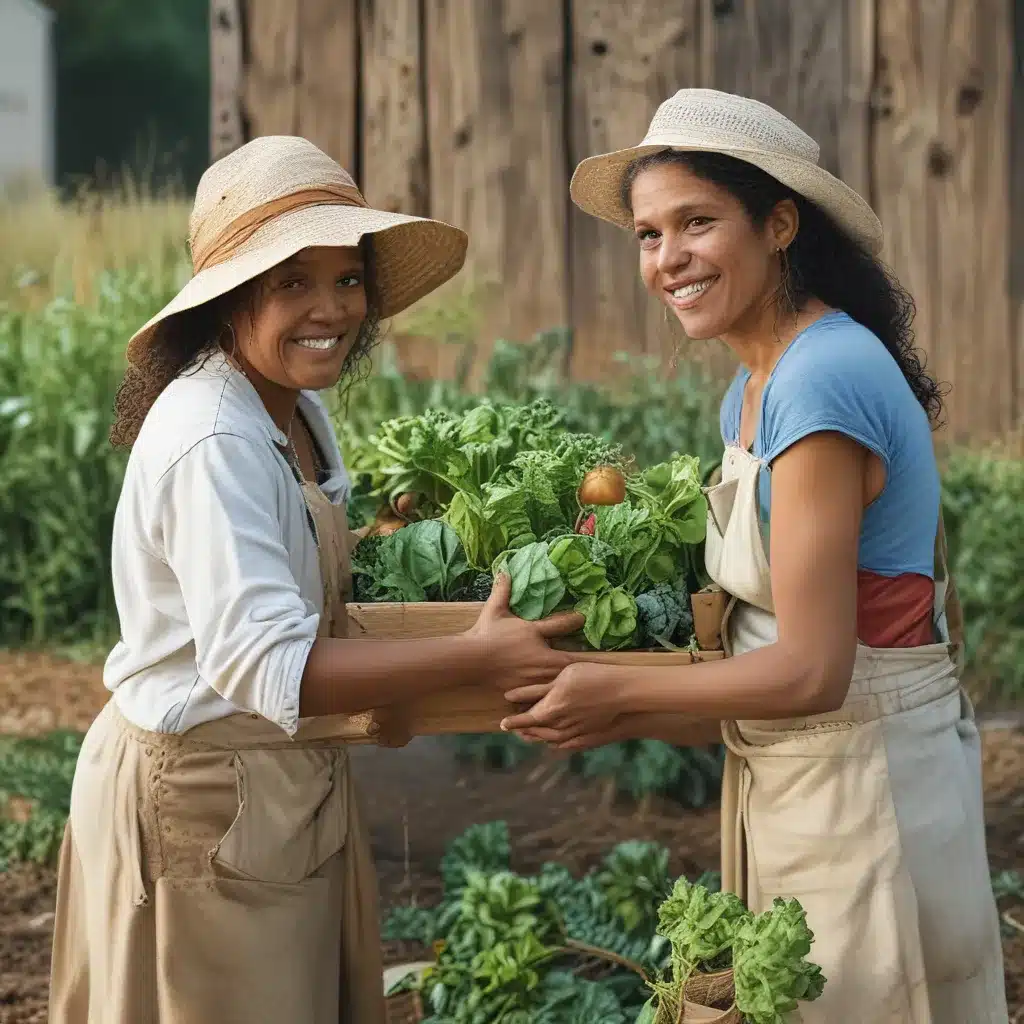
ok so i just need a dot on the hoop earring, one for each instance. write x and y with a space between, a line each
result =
228 328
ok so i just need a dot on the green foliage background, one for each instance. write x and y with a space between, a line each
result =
133 88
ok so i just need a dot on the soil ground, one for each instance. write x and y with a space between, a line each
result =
418 798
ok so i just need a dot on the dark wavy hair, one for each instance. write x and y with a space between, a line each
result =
822 262
184 342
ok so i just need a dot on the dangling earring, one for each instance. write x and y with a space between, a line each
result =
784 274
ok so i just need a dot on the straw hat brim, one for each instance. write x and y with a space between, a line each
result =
412 257
597 185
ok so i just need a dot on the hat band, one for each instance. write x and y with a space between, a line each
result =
242 228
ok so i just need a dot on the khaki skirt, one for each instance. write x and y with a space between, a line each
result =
222 875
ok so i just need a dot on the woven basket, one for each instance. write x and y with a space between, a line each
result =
713 989
694 1013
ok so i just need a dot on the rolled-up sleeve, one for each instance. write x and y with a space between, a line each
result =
219 527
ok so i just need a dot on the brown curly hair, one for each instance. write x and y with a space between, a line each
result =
184 341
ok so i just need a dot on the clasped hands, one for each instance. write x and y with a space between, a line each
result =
573 704
577 710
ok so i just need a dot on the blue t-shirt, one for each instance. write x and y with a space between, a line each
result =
838 376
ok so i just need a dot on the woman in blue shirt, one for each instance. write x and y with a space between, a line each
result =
853 777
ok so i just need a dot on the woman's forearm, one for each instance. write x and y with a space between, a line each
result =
349 676
771 682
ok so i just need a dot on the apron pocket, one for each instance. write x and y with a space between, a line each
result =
292 814
239 952
816 809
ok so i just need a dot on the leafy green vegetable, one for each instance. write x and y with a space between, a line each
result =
573 556
634 878
474 586
771 971
422 561
672 485
537 587
505 507
505 480
368 570
659 613
482 539
610 618
700 924
639 768
485 847
569 999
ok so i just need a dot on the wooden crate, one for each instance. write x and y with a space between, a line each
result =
479 707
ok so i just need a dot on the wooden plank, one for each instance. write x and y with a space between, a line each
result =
478 707
941 168
789 55
496 151
227 130
627 59
1017 216
854 128
394 137
328 78
270 84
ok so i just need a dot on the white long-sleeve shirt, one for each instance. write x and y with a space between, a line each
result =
214 561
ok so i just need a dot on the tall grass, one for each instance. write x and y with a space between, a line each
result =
50 248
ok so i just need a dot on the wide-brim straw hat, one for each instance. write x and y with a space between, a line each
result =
279 194
706 120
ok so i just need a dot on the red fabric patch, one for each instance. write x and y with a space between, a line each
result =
895 611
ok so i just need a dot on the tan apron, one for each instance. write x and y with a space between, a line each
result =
221 876
871 815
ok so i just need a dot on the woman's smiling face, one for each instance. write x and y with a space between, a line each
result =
305 318
701 254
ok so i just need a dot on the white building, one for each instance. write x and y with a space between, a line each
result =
27 93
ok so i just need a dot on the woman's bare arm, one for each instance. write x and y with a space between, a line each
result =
817 505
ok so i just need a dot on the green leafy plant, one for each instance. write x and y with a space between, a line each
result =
35 795
508 943
771 972
767 951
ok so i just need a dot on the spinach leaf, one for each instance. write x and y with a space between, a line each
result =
422 562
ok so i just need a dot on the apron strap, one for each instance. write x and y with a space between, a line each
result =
948 616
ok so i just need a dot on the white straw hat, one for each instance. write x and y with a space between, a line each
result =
707 120
279 194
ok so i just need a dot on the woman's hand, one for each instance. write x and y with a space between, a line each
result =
516 651
583 700
623 727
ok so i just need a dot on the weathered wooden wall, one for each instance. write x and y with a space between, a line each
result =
476 111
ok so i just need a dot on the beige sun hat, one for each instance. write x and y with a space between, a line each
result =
279 194
707 120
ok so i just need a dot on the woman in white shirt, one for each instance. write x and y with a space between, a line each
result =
215 867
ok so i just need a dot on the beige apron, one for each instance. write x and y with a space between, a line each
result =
870 815
221 876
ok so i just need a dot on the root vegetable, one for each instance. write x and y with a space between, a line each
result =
604 485
405 504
